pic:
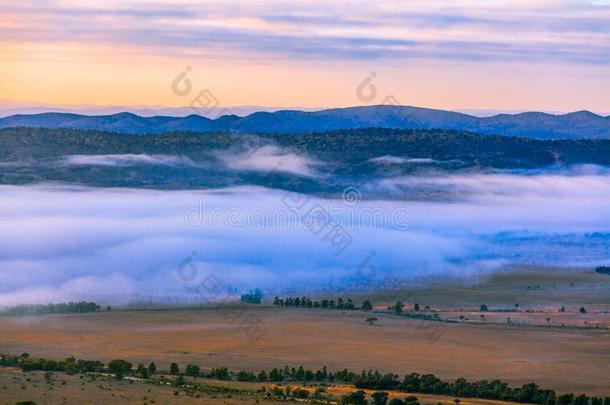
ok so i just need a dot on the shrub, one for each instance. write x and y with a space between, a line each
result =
371 321
380 398
179 381
355 398
300 393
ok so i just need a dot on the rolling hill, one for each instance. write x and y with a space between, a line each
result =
537 125
312 162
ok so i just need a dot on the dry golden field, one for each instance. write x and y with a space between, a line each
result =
574 357
77 390
66 389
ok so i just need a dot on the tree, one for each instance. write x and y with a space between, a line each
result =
174 369
275 375
398 307
349 304
252 297
582 310
371 321
141 371
603 270
300 393
119 367
416 307
566 399
246 376
484 308
152 368
562 309
396 401
380 398
221 373
366 305
192 370
300 374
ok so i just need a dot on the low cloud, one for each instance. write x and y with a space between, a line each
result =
389 159
270 158
123 245
582 184
128 160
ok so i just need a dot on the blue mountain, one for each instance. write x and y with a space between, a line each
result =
576 125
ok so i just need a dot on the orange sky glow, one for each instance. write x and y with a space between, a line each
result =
543 55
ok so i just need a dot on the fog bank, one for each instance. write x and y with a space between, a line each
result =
60 243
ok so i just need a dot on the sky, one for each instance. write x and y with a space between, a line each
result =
493 54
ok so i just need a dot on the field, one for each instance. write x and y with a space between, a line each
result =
568 353
70 389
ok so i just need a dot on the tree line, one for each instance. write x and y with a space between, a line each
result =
61 308
306 302
603 270
252 297
371 380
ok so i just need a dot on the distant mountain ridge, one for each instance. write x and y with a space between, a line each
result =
576 125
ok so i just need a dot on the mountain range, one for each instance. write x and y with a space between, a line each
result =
537 125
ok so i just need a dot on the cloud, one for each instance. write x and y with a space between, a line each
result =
117 287
271 158
122 245
128 160
389 159
574 32
581 184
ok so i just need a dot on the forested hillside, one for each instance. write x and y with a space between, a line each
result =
191 160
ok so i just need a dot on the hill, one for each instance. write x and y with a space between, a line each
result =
577 125
324 162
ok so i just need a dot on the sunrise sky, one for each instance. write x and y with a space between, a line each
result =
492 54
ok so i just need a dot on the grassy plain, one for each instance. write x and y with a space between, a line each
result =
568 353
75 389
